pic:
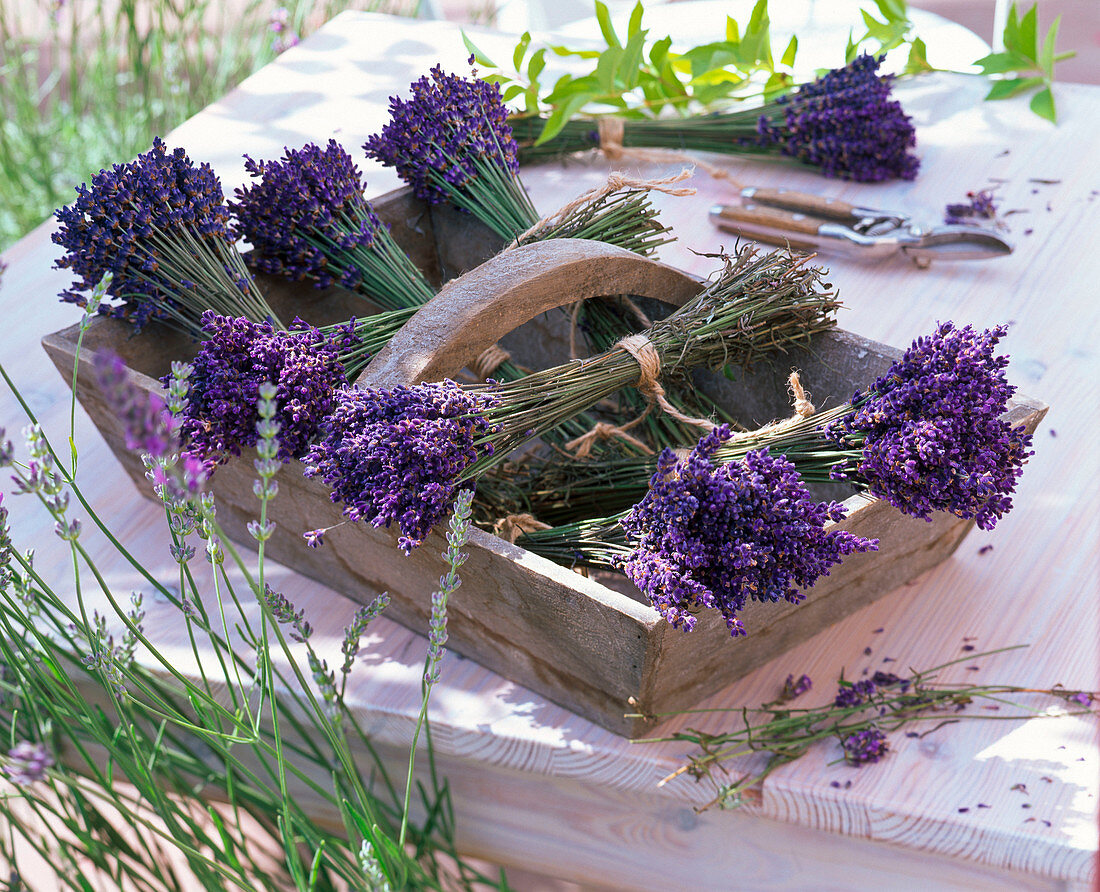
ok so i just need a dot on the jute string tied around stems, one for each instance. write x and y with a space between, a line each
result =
649 368
615 182
488 361
803 408
611 131
515 525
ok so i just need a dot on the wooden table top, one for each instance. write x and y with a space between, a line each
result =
537 785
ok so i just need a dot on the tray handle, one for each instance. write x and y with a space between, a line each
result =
474 311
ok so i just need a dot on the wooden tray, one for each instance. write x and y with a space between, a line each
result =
588 644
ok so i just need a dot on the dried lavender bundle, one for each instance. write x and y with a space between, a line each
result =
859 718
844 123
926 436
398 455
709 535
306 218
160 225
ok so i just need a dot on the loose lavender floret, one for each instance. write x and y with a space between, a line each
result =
865 746
707 536
28 763
445 135
395 456
981 205
236 360
845 123
795 687
930 429
159 224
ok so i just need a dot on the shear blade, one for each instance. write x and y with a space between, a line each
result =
958 243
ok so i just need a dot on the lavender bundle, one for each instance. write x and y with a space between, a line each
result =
715 536
926 436
845 123
399 455
306 218
159 224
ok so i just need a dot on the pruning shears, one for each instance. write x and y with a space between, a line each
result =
813 223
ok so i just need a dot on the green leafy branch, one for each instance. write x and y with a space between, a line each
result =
1032 67
640 77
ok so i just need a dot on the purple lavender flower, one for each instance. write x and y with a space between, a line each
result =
795 687
306 217
146 424
980 206
855 694
862 747
28 763
239 357
436 139
707 536
159 224
397 455
931 433
845 123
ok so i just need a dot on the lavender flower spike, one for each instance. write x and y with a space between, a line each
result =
707 536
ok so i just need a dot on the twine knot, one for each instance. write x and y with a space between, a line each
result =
802 405
581 446
490 359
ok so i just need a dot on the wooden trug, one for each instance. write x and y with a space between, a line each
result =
586 645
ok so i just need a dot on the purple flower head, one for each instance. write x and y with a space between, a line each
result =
304 213
439 139
795 687
868 745
931 433
239 357
147 426
707 536
846 123
126 223
396 456
981 205
28 763
854 694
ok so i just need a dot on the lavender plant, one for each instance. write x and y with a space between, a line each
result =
399 455
845 123
246 725
926 436
859 719
160 226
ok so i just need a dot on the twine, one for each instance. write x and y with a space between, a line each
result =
803 408
515 525
491 358
581 446
802 405
611 131
615 182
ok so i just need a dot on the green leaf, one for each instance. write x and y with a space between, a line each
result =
733 32
568 86
478 55
535 65
757 42
604 18
1046 59
790 52
635 25
1010 86
658 53
850 50
1042 103
1011 35
776 84
629 73
521 50
512 92
561 116
1002 63
894 10
918 58
497 79
559 50
1028 37
605 68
